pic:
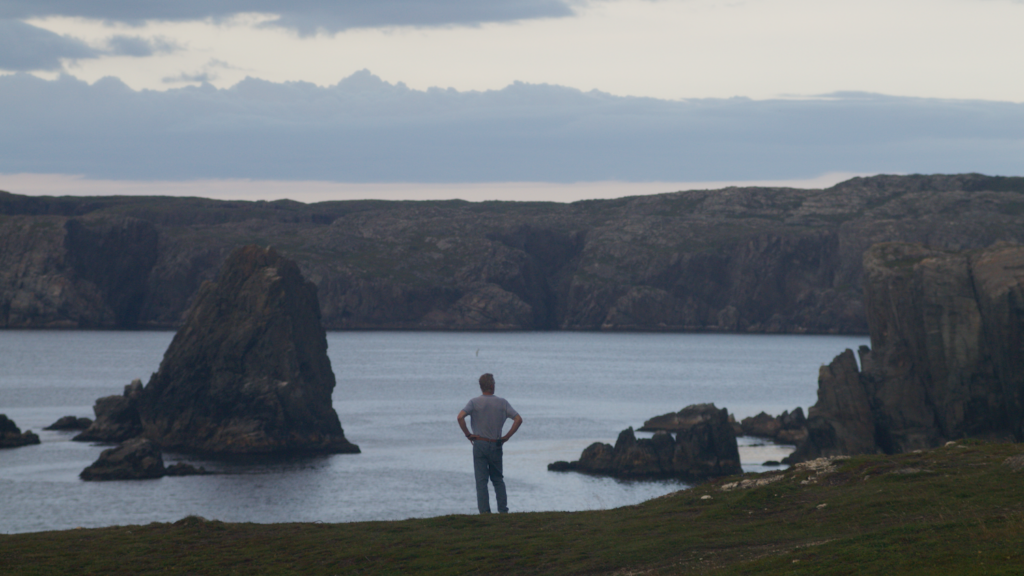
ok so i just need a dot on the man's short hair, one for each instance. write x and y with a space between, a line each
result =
487 382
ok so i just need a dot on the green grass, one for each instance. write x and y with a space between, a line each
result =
953 510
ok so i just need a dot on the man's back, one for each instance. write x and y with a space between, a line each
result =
487 414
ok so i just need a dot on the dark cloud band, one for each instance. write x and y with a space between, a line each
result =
24 48
303 15
366 130
27 48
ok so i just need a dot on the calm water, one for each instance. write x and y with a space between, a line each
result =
397 396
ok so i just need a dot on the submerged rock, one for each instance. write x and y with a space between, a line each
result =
704 447
11 436
117 417
136 459
248 373
70 423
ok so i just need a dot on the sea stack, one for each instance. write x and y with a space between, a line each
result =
248 371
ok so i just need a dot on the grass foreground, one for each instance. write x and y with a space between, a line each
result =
958 509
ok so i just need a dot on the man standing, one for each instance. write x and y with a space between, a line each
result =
488 413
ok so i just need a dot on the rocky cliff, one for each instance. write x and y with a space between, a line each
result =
737 259
946 358
248 373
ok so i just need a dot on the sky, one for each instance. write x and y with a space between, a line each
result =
509 99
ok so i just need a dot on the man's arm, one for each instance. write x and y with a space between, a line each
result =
462 424
516 423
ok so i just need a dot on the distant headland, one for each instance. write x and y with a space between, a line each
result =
758 260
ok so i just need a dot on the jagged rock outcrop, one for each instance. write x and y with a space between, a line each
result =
704 447
117 417
787 428
248 373
12 437
946 358
841 422
70 423
739 259
136 459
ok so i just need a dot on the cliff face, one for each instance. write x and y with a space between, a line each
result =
738 259
947 355
248 373
59 272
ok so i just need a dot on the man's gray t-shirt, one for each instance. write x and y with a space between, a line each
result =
488 414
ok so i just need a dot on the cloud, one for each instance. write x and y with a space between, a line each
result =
304 15
188 78
24 47
139 47
367 130
207 74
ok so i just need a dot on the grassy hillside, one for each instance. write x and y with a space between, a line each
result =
954 510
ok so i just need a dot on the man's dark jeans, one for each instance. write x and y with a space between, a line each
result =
487 464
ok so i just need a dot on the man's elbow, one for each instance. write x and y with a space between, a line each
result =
518 419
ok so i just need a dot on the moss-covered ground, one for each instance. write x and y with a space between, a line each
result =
953 510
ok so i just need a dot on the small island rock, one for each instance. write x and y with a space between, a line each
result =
704 447
11 436
70 423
